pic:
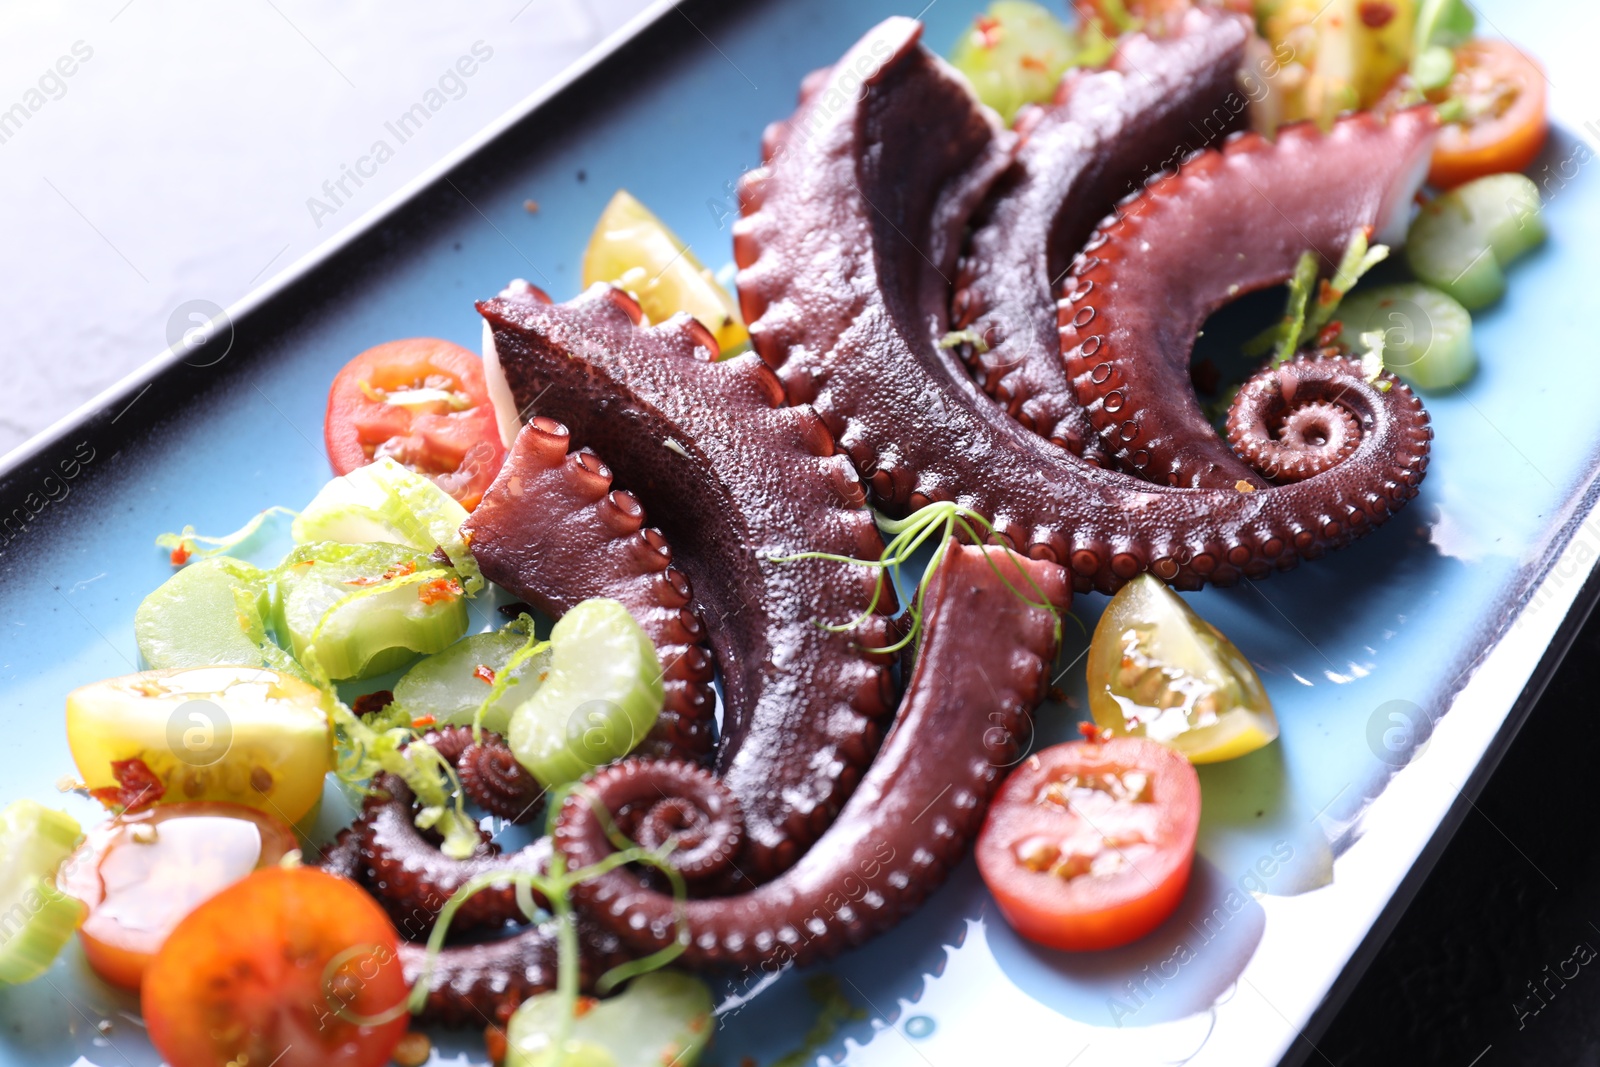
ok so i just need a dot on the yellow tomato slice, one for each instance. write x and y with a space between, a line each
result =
244 735
634 250
1158 670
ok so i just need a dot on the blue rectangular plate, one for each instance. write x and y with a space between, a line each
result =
1400 667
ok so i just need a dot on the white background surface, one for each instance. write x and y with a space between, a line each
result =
176 162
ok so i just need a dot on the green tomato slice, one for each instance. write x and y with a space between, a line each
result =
209 612
36 917
1427 335
1158 670
1462 240
600 696
663 1017
452 684
322 601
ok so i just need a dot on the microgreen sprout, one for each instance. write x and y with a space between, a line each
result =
942 519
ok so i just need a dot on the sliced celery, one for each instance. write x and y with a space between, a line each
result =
600 696
385 501
1463 240
365 609
1014 54
1427 335
452 684
209 612
36 918
663 1017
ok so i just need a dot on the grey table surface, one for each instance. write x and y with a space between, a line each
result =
157 152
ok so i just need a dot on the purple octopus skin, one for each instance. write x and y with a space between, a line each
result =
847 242
1235 221
1157 101
734 479
554 532
983 666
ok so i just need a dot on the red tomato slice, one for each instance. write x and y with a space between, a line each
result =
1503 92
1088 845
245 978
140 874
423 403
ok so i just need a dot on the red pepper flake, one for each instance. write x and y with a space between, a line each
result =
1330 334
181 554
1092 732
422 722
583 1007
305 563
484 673
988 29
494 1039
1035 63
367 703
1375 14
399 570
137 786
433 592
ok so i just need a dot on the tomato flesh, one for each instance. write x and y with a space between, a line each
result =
1503 94
1089 844
246 977
140 874
422 402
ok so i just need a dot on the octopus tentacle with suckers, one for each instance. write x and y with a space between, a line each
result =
1157 100
870 200
908 822
735 480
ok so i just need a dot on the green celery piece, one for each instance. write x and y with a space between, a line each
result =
210 612
40 919
327 597
1462 240
448 686
1426 335
663 1017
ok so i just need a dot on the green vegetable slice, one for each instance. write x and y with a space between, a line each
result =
663 1017
1014 54
600 697
210 612
1427 336
384 501
452 684
365 609
1463 240
36 918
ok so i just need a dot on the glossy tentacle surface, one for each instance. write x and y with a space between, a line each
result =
1228 223
553 531
734 479
973 689
1157 101
846 250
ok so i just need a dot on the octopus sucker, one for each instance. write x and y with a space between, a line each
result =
857 238
553 531
739 484
1158 100
905 826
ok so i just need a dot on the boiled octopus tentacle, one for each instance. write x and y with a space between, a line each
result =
734 479
1229 223
490 775
554 532
403 866
973 690
1155 102
479 984
846 249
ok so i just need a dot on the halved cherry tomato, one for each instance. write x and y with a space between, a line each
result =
281 969
1088 845
140 874
423 402
1504 125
